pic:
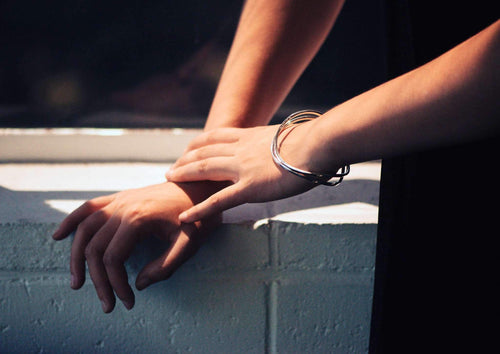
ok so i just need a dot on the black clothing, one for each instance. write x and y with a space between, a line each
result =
437 263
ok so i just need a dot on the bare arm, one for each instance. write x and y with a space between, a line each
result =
453 99
256 79
274 43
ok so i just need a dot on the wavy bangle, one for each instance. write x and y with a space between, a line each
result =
316 178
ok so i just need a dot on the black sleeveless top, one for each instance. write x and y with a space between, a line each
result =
438 256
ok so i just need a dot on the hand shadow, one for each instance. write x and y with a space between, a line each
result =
350 191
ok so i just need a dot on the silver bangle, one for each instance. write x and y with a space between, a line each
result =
316 178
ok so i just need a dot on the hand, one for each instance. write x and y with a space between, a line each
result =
242 156
108 227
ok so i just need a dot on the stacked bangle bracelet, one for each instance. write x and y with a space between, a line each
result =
316 178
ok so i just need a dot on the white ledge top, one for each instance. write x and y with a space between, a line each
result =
46 192
47 173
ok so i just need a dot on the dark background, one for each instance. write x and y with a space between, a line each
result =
156 63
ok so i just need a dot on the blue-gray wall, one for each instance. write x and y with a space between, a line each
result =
282 287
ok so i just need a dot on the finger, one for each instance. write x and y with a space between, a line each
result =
216 136
204 152
118 251
226 198
84 233
94 253
212 169
78 215
187 242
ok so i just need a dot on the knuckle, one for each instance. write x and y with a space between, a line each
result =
210 136
192 144
199 153
83 228
89 206
215 202
91 251
132 213
136 218
135 212
202 166
96 216
111 259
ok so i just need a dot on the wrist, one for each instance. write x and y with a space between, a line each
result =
199 191
325 154
309 157
303 147
237 116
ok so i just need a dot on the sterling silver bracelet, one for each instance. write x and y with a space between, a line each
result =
316 178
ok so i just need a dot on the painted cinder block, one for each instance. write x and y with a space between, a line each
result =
234 247
28 246
323 315
218 301
40 313
348 248
287 284
272 286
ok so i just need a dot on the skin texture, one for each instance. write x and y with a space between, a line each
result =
452 99
109 227
274 43
241 156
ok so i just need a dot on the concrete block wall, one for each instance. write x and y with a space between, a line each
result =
281 287
288 283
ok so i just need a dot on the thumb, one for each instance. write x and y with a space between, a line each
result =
218 202
186 243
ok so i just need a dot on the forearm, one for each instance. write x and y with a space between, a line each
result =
274 43
453 99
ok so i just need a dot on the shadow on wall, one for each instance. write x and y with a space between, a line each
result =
25 208
364 191
33 206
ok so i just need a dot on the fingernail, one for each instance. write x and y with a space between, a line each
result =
55 235
183 216
128 304
105 306
142 283
72 281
